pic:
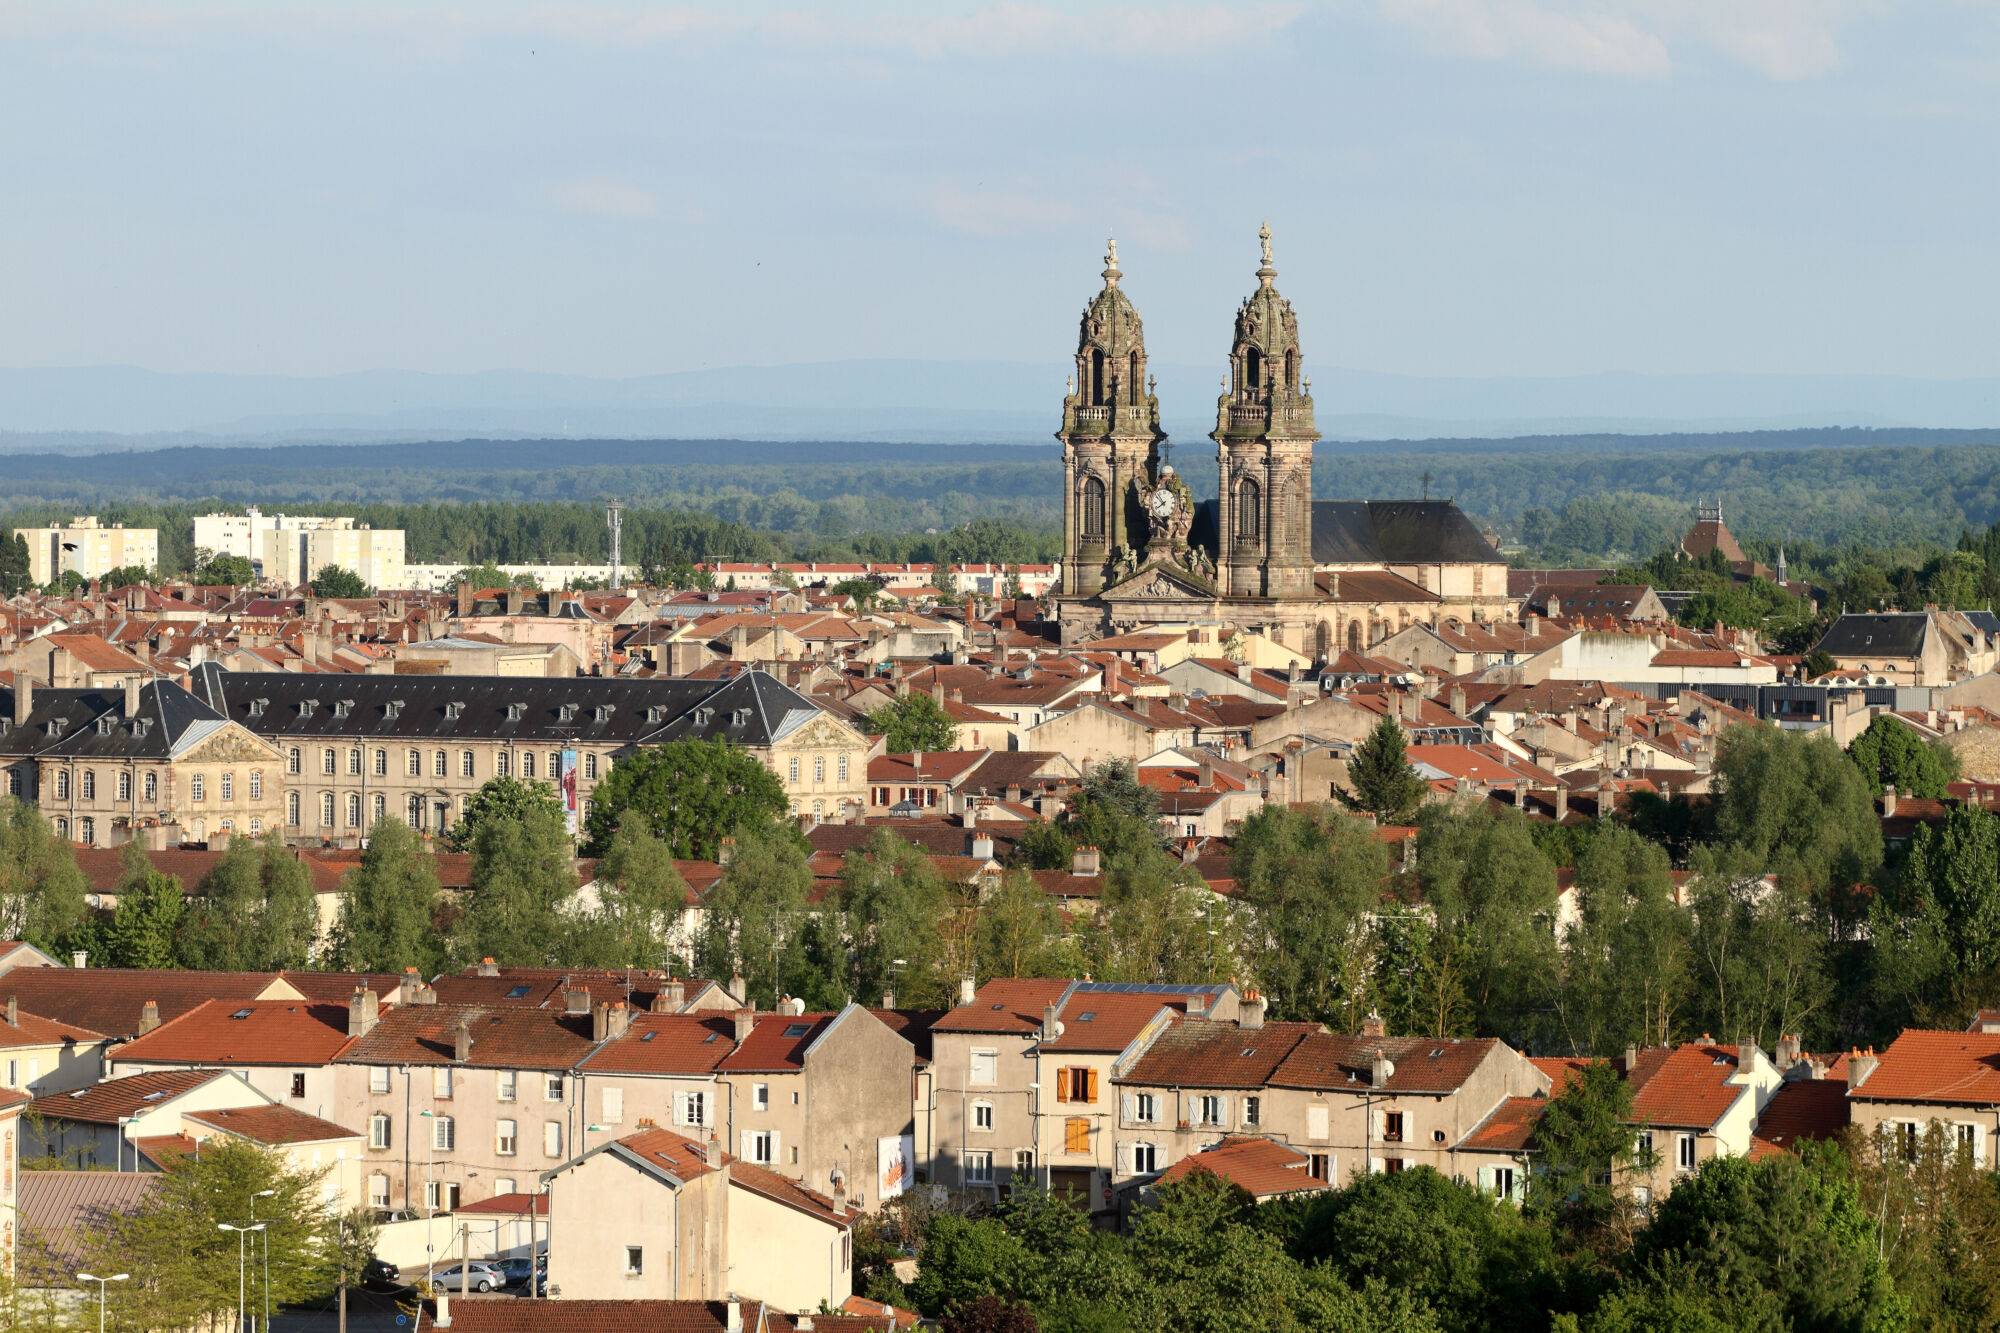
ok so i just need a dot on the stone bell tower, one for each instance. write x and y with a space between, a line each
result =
1110 431
1264 435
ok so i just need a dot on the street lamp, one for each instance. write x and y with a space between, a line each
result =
264 1194
103 1285
241 1232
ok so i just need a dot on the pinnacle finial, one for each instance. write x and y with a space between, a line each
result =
1267 270
1111 274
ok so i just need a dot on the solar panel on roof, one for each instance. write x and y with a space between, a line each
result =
518 993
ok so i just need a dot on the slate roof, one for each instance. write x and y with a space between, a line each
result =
93 725
239 1032
1264 1167
1961 1068
1876 634
752 708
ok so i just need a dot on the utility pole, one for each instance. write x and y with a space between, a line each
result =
614 516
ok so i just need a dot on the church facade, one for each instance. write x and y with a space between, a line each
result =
1319 576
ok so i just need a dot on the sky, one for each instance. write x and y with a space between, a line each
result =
1456 187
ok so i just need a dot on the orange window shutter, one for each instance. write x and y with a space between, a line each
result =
1090 1085
1062 1085
1076 1136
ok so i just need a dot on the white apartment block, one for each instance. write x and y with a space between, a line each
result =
89 548
293 555
436 578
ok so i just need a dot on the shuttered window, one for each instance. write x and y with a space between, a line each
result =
1076 1135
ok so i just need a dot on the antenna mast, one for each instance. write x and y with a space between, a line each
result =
614 516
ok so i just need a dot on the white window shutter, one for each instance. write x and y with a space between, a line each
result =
745 1153
1222 1110
1131 1107
1124 1159
1486 1183
1193 1109
680 1108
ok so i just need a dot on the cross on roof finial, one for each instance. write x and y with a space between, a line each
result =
1111 273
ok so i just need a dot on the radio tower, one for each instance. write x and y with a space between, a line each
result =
614 516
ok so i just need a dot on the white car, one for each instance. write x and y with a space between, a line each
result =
472 1276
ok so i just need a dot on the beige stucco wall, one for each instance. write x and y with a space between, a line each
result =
604 1203
786 1257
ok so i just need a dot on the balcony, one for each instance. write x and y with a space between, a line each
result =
1093 416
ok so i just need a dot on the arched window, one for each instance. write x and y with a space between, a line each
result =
354 762
62 829
1253 367
1132 386
1292 369
1354 644
1093 507
527 763
87 831
228 786
152 786
256 784
439 764
381 763
326 809
1249 513
1096 377
292 760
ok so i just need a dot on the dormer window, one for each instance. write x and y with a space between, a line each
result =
257 707
393 709
603 712
453 710
307 707
55 726
655 714
515 712
341 707
566 712
702 716
104 725
740 718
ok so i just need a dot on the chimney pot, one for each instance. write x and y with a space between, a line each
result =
968 989
745 1023
1374 1026
1250 1012
1860 1064
487 967
149 1017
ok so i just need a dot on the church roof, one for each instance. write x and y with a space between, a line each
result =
1387 532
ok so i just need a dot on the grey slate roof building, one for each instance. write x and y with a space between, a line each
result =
93 723
1379 532
1877 634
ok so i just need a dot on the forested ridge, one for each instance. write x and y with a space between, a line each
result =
1550 499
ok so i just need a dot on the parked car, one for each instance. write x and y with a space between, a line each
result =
477 1276
381 1275
520 1268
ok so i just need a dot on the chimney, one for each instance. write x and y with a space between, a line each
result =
746 1021
149 1017
488 968
725 856
1373 1025
1457 700
1860 1064
1562 801
24 699
982 846
131 697
1407 705
442 1319
1631 1060
1888 802
888 999
1787 1052
675 995
1382 1070
1250 1012
733 1314
412 983
610 1021
363 1008
218 841
968 989
1085 861
576 1000
13 1011
1051 1025
461 1041
1207 774
79 959
1244 671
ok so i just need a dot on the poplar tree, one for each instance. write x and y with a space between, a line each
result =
388 906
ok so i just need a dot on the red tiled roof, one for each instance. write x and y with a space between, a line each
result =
518 1204
668 1044
244 1032
779 1189
273 1125
502 1038
1195 1053
1684 1086
1562 1069
163 1150
1264 1167
33 1030
1925 1066
112 1000
777 1044
681 1157
1420 1064
1508 1127
1804 1108
1004 1004
107 1102
1106 1021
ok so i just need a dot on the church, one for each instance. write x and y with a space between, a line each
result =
1263 556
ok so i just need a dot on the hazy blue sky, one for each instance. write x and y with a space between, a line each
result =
1457 186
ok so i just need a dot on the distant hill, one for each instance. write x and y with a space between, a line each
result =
99 407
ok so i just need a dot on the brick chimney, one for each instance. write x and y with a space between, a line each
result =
746 1021
1860 1064
218 841
1250 1012
149 1017
363 1008
1374 1026
412 983
675 994
982 846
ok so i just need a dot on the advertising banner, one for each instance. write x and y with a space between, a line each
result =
566 784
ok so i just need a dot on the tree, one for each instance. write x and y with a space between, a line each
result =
1492 895
1584 1140
695 793
1891 754
1788 1229
862 591
335 581
1937 1213
254 911
184 1266
641 896
219 568
523 880
1113 811
1760 951
480 577
1309 878
15 575
143 928
892 902
1159 921
389 906
501 798
912 722
42 893
126 576
753 915
1797 807
1625 964
1384 783
1022 933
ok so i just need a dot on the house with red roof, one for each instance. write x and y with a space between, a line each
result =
1925 1078
1263 1168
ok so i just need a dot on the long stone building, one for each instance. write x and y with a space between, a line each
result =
1317 575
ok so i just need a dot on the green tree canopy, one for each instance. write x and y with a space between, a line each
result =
335 581
912 722
254 911
694 793
641 897
16 575
1891 754
144 927
42 893
1584 1141
389 906
1311 877
523 885
1384 783
892 902
753 919
501 798
213 567
1493 897
1796 805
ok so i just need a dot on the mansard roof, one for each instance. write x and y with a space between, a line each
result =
91 723
753 708
1383 532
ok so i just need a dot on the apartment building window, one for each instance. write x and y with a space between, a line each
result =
761 1147
1253 1109
1076 1084
125 786
1145 1108
552 1090
760 1096
378 1130
1392 1127
228 786
1024 1163
299 1086
504 1084
465 763
1145 1159
614 1105
292 808
378 1189
1967 1138
326 760
378 1078
1394 1165
982 1117
985 1068
441 1196
87 831
842 769
1503 1181
506 1137
1684 1151
444 1133
635 1261
979 1168
62 784
1208 1109
256 784
440 766
354 809
1076 1134
381 806
1319 1166
792 770
326 809
292 760
441 1082
690 1108
819 770
555 763
552 1138
527 763
590 767
197 787
413 763
1642 1148
152 786
1906 1138
354 762
501 765
256 826
381 763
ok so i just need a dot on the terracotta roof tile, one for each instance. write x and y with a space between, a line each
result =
1195 1053
112 1000
502 1038
1262 1166
1927 1066
667 1044
1004 1004
1421 1064
1104 1022
244 1032
777 1043
273 1125
1508 1127
105 1103
1804 1108
1685 1086
33 1030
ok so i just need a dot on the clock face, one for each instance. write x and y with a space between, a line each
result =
1163 502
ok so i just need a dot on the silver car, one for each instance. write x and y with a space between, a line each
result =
473 1276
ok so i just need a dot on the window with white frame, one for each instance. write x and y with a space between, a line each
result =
124 785
256 784
760 1096
378 1189
378 1130
441 1082
1968 1140
444 1133
465 763
378 1078
1145 1108
503 1084
690 1108
614 1105
506 1137
1208 1109
979 1168
413 763
326 809
197 787
1684 1152
354 763
792 770
982 1117
552 1138
326 760
1024 1163
441 1196
635 1261
985 1068
761 1146
228 786
1145 1159
381 763
1642 1145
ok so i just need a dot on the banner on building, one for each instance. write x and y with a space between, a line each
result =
566 783
895 1165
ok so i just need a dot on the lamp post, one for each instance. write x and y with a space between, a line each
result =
264 1194
241 1232
103 1285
